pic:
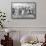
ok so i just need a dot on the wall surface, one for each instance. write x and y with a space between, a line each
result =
38 24
40 21
25 25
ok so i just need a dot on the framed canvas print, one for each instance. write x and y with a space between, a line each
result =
23 10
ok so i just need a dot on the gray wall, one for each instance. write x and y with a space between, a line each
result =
40 21
38 24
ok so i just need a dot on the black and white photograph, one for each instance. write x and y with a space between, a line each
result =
23 10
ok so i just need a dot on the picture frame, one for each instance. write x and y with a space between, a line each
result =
23 10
